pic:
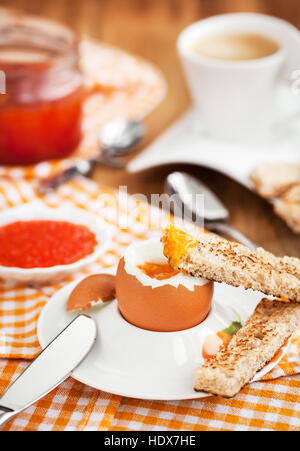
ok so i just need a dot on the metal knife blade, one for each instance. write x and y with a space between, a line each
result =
52 366
186 186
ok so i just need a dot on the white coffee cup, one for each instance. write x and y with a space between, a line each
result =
242 100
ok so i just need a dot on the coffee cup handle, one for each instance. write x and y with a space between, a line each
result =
288 102
289 83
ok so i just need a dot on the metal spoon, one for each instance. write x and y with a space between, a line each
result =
117 139
185 186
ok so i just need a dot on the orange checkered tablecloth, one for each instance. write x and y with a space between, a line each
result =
271 404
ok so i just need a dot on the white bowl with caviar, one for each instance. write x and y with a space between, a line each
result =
35 240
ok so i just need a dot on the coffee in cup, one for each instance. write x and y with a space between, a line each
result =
235 46
238 67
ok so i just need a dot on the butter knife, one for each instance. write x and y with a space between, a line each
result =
50 368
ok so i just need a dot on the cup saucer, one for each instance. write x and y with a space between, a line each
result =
234 160
137 363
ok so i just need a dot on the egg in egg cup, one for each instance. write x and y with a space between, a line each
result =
152 296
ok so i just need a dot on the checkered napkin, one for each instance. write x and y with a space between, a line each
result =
271 404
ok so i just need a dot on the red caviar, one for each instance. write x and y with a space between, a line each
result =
42 244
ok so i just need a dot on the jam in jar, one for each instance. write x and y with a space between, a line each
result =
41 111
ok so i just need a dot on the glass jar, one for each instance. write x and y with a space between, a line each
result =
41 111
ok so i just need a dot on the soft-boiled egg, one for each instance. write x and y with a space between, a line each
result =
152 296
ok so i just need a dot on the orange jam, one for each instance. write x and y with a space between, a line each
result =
40 130
176 244
41 105
42 244
159 271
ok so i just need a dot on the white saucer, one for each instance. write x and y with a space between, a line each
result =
184 143
136 363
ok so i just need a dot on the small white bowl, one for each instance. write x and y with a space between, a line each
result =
38 211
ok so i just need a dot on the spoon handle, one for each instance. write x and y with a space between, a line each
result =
48 184
231 232
83 167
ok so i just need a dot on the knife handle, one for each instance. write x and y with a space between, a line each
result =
5 415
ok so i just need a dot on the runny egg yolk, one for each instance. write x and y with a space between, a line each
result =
176 244
159 271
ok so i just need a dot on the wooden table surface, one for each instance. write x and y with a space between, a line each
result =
149 28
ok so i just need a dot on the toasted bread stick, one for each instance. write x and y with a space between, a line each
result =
288 208
272 180
249 350
217 259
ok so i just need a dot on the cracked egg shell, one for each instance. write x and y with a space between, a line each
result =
176 303
92 290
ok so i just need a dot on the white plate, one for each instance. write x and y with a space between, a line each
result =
39 211
136 363
184 143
